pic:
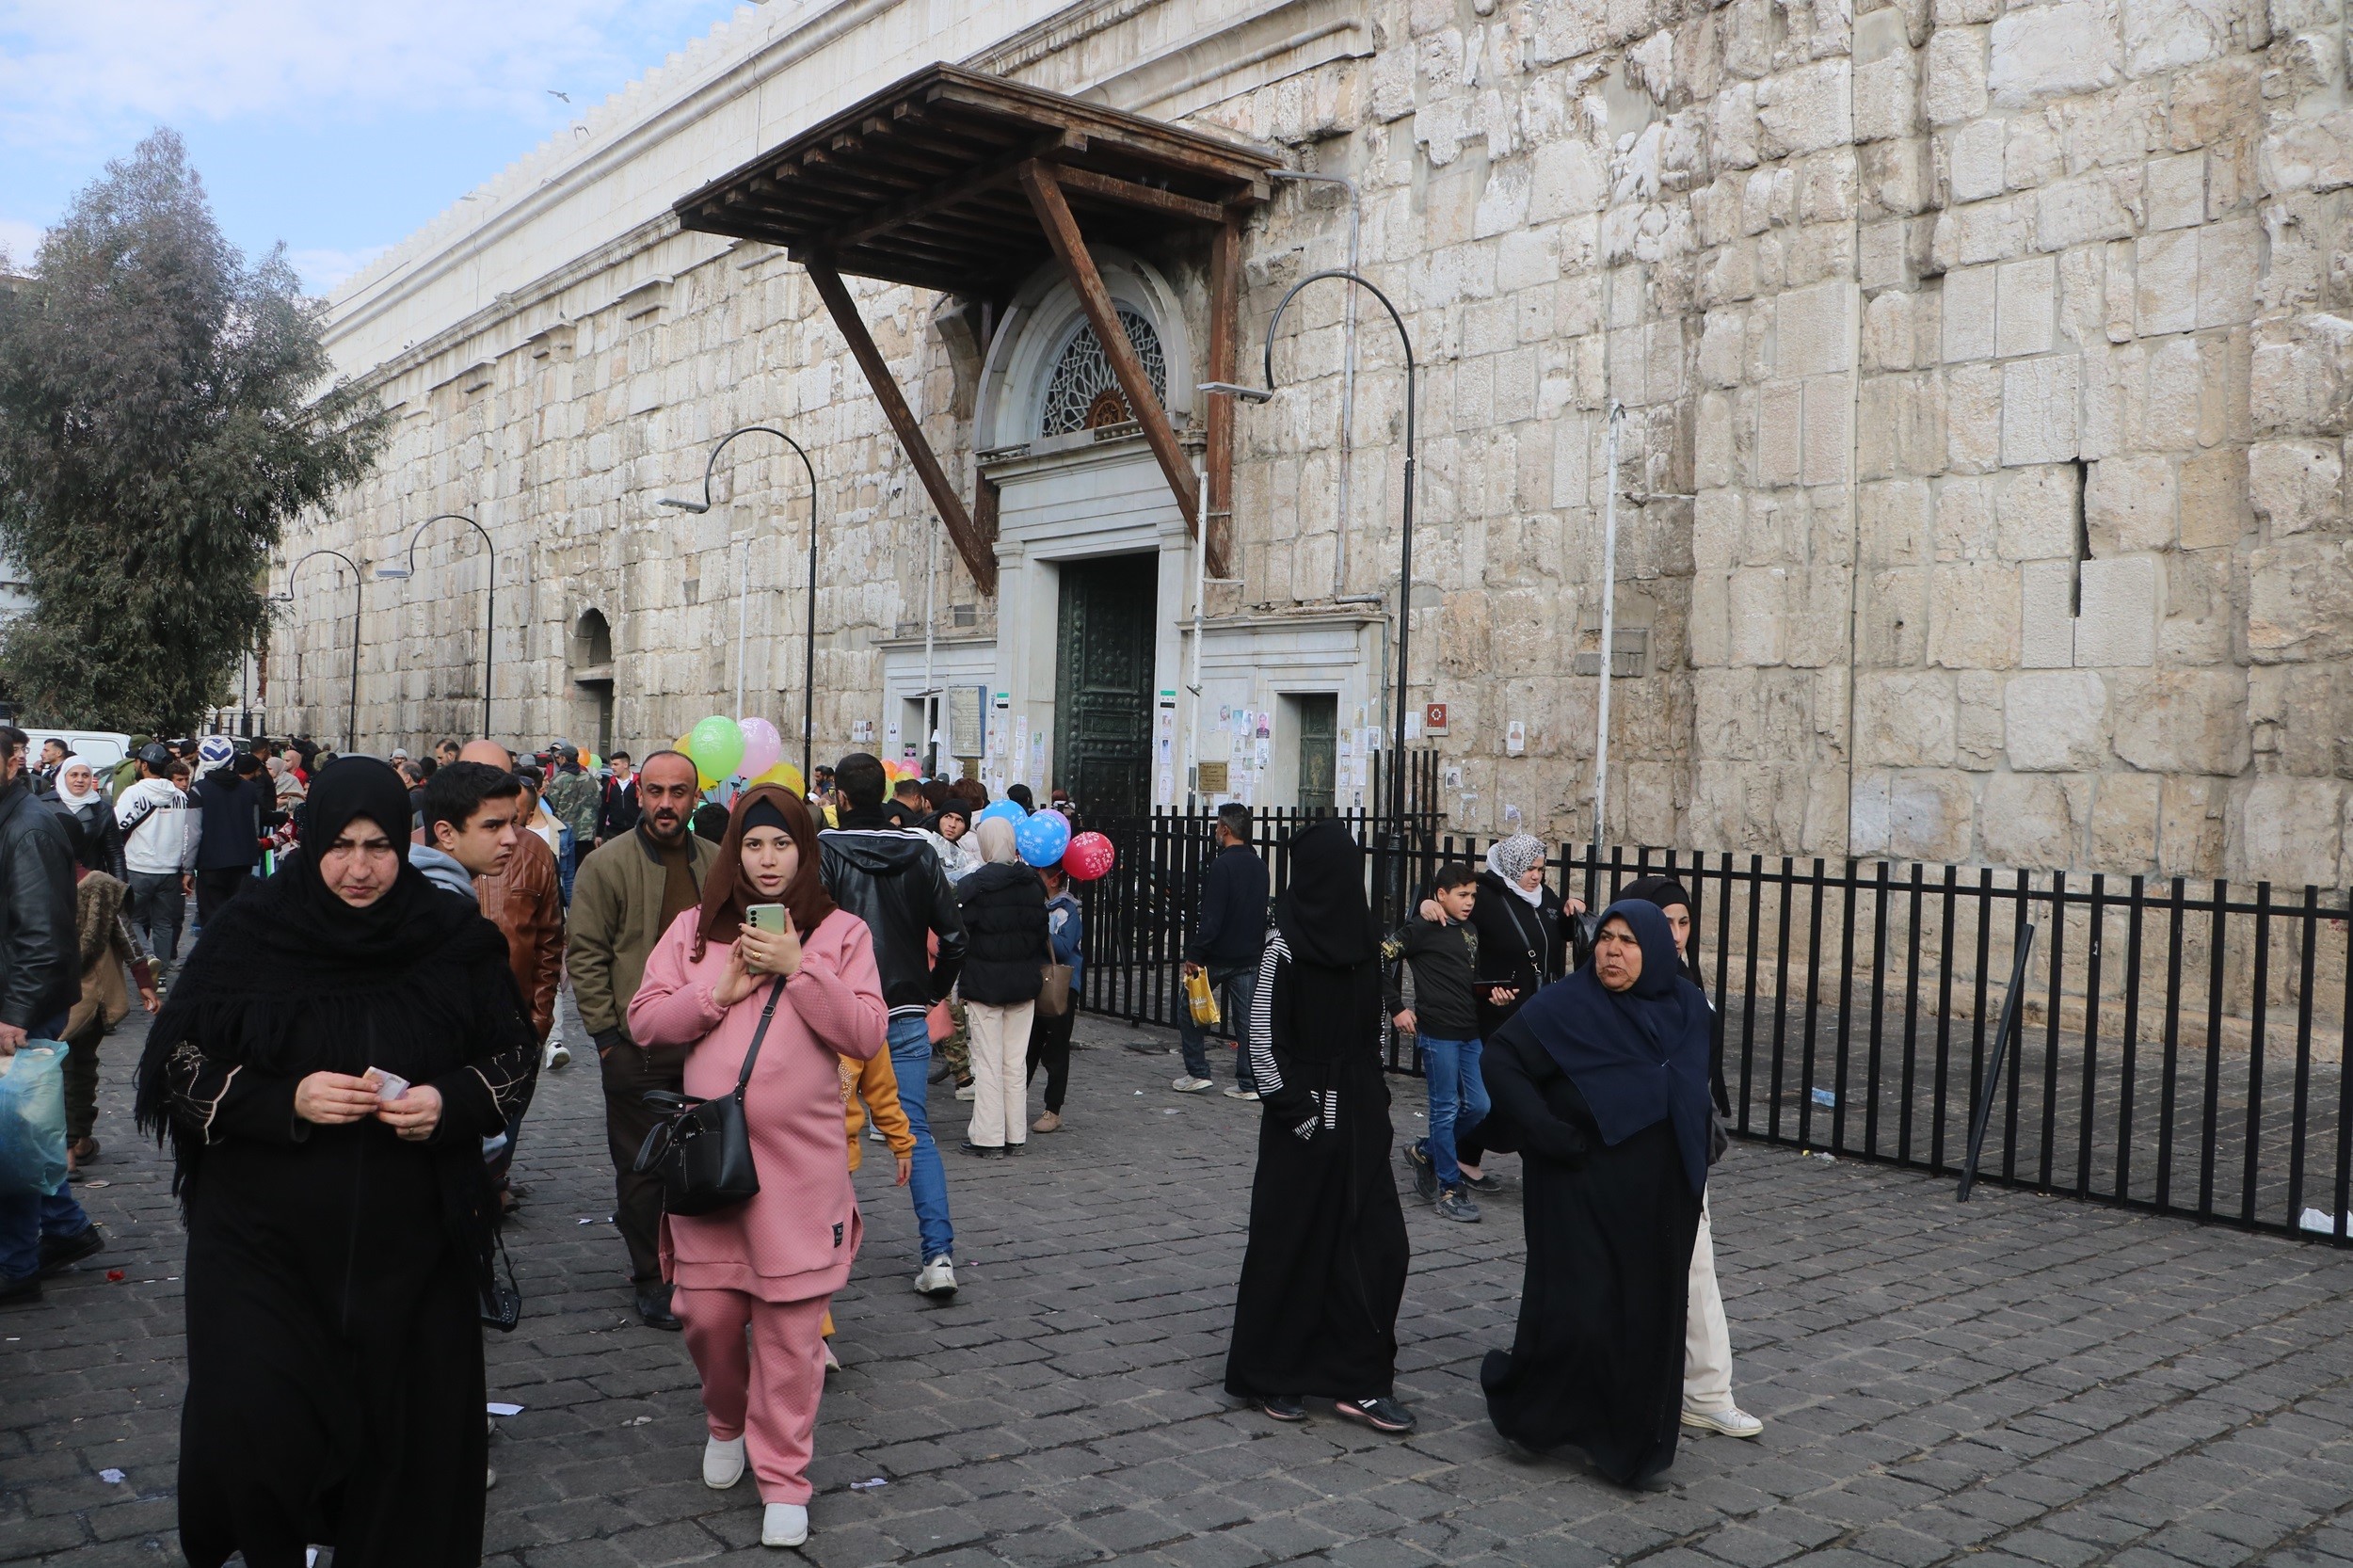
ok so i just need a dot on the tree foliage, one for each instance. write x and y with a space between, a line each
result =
165 408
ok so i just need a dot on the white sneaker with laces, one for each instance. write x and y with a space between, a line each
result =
937 1279
723 1463
559 1055
1239 1092
784 1524
1192 1085
1731 1421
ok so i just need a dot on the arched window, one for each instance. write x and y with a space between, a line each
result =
1084 394
592 641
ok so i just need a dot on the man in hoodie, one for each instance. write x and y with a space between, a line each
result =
625 897
159 843
889 877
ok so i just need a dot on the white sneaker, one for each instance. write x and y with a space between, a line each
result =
1238 1092
1192 1085
967 1092
1731 1421
784 1524
723 1463
937 1279
876 1134
833 1362
559 1055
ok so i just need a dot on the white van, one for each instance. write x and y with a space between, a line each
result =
101 749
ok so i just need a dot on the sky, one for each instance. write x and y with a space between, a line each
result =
338 129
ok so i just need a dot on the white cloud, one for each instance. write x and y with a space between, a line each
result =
73 76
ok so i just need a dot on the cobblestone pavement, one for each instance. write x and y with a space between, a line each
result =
2023 1380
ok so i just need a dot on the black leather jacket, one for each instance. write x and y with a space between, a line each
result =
40 971
892 878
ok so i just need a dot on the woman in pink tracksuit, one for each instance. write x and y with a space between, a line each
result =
771 1263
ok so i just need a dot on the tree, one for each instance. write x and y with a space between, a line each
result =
165 408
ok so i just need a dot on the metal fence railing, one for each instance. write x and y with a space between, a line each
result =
2180 1047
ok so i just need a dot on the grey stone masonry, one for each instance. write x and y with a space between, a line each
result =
2020 1381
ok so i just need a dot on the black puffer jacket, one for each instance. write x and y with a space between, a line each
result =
1004 913
892 881
1521 947
40 951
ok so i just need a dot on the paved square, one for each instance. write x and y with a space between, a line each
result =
2019 1380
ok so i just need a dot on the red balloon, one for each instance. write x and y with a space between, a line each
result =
1088 856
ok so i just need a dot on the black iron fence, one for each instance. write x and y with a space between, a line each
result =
2180 1047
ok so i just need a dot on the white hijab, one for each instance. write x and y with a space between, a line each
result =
91 796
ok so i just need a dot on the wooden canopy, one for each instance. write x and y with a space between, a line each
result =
965 184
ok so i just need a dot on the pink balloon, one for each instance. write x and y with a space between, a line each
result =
763 746
1088 856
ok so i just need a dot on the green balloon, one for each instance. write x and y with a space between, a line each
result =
716 745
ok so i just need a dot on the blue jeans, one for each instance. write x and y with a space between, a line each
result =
911 1059
27 1217
567 864
1458 1098
1235 987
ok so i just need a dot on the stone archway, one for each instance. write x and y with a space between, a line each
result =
589 659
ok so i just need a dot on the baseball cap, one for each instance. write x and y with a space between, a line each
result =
155 754
214 751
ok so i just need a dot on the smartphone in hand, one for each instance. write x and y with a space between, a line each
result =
767 917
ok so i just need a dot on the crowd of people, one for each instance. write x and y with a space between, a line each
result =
344 1064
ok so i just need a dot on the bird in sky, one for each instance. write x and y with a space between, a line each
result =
565 96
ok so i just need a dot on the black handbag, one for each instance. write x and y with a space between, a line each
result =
703 1153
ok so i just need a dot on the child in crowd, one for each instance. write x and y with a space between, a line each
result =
1444 953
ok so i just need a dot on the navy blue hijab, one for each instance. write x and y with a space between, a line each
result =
1638 1056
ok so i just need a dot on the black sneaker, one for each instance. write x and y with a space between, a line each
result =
1483 1183
1425 1173
1380 1415
60 1252
1282 1407
653 1307
980 1151
1455 1204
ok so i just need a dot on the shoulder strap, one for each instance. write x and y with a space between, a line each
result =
743 1078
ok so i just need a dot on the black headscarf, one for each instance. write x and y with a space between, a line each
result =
1323 914
1638 1056
289 979
1666 892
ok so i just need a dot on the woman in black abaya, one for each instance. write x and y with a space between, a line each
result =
1316 1313
337 1243
1605 1078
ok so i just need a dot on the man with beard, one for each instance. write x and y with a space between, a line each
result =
625 897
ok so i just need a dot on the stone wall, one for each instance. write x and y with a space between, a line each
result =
1985 370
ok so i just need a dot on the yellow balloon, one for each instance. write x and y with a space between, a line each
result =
705 779
786 775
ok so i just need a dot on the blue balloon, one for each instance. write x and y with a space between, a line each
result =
1042 838
1009 809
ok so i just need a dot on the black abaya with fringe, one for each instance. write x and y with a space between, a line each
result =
1324 1271
334 1274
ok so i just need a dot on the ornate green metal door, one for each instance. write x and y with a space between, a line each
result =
1318 745
1103 687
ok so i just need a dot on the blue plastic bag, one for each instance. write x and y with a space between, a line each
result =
32 1119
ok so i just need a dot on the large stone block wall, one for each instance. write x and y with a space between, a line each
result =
1985 370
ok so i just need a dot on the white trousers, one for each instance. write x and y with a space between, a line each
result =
1000 1095
1707 1340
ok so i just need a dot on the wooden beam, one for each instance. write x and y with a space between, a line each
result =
1129 194
1078 264
950 191
1224 329
978 556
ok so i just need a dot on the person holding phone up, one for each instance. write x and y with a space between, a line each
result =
766 938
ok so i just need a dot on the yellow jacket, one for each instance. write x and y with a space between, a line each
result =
875 1082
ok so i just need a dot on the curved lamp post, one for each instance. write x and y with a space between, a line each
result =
809 655
1405 566
359 584
489 592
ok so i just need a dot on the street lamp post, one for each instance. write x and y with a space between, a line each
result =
359 584
489 593
809 654
1405 564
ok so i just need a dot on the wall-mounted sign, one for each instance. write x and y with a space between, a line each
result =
967 720
1434 718
1212 779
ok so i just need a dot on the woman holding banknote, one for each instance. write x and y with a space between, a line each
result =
326 1068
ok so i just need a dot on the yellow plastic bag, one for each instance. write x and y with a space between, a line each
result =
1201 999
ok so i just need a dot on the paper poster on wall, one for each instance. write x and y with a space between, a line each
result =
967 720
1037 756
1412 724
1021 748
891 733
1515 737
